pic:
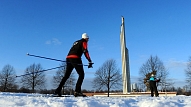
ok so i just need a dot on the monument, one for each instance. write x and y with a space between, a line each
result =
125 61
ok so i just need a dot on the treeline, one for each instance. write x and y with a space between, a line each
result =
34 79
107 78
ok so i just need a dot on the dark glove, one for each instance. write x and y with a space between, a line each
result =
158 80
90 65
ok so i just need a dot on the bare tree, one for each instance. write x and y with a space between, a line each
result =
107 76
188 72
7 78
34 79
154 65
60 74
141 86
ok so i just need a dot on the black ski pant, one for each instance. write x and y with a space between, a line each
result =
71 64
153 88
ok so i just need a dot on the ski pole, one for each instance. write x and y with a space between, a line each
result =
45 57
39 71
51 59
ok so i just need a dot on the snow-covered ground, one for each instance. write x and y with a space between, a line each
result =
36 100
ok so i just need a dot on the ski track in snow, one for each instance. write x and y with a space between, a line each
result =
37 100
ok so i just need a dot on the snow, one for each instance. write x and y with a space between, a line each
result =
38 100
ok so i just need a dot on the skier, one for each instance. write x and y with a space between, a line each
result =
74 61
153 87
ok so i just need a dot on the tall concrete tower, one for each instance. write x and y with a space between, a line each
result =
125 61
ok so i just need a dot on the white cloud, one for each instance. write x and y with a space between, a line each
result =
48 42
53 41
176 64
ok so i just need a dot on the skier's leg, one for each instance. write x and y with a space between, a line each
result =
80 71
151 88
69 68
156 91
80 79
152 94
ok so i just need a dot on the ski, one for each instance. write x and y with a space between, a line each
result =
53 95
48 95
66 96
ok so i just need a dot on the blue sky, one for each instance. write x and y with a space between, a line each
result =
48 28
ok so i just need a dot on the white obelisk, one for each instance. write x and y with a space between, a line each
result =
125 61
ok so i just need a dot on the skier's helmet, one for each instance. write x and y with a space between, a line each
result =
152 75
85 35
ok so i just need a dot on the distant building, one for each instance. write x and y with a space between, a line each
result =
134 87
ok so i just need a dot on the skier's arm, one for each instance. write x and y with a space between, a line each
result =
157 79
85 50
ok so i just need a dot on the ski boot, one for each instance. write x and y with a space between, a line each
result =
57 93
76 94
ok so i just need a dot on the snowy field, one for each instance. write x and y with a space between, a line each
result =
36 100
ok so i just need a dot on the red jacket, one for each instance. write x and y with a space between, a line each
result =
79 47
